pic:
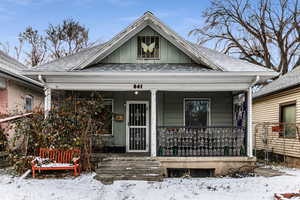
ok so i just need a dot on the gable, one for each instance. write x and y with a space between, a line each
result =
128 52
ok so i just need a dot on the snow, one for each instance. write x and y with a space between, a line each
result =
86 188
56 165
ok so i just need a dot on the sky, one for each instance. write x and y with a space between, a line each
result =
103 18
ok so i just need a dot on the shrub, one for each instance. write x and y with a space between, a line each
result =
68 125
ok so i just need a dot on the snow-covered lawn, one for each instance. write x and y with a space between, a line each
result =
86 188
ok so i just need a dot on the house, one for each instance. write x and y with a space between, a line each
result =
180 103
18 93
276 114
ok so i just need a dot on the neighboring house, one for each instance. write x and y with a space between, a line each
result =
276 114
186 105
18 93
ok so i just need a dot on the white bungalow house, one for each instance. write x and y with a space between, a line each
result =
183 104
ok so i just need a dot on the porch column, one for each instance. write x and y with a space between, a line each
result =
153 122
249 123
47 101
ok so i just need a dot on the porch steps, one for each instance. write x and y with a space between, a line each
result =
128 168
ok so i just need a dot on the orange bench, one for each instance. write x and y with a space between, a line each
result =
58 160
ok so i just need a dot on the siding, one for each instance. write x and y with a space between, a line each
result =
169 109
16 94
119 99
266 109
221 107
127 53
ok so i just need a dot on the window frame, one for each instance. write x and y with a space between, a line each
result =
112 117
28 96
281 106
198 98
137 47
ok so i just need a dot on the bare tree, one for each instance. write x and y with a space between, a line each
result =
66 38
5 47
263 32
37 46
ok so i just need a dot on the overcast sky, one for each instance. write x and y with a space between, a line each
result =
103 18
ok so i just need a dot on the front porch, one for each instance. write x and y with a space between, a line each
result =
171 123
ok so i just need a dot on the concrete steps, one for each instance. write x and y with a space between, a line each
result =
128 168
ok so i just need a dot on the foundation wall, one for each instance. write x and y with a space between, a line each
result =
221 165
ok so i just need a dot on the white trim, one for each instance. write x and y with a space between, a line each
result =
153 122
112 120
249 123
147 87
47 100
208 73
147 125
196 98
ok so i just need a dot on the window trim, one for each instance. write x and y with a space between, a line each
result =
281 105
198 98
112 120
137 47
32 104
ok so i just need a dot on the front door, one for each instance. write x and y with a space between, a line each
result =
137 128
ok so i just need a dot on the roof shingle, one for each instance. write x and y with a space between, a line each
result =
286 81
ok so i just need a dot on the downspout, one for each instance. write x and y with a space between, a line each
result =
40 77
47 91
256 80
249 118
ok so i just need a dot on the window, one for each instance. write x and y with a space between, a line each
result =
288 118
28 103
148 47
107 118
196 112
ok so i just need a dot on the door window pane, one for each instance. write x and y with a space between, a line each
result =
196 112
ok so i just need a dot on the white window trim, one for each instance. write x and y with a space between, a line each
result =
112 120
32 103
159 47
196 98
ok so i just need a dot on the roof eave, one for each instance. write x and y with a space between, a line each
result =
264 74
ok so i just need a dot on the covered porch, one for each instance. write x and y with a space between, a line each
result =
161 123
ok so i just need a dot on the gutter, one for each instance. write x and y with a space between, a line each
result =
255 81
19 77
95 73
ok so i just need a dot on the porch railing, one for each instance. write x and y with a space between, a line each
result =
201 141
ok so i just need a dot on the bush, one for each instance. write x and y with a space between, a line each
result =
68 125
3 140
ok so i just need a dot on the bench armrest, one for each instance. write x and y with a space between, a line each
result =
76 160
33 162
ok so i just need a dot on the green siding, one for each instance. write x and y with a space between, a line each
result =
221 107
127 53
169 109
120 99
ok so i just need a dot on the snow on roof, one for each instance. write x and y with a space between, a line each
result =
286 81
12 67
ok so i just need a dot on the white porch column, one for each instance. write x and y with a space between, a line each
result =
153 122
47 101
249 123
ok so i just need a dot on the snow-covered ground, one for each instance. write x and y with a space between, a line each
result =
86 188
